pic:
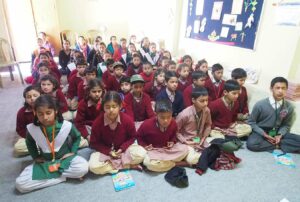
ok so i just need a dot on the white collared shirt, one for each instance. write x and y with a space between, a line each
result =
171 95
275 104
216 83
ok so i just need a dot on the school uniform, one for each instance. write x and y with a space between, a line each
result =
98 58
90 56
24 117
106 76
243 101
37 175
176 99
215 89
193 125
138 110
187 95
87 112
73 86
132 69
183 84
52 66
152 89
107 136
160 159
64 59
145 54
81 89
60 97
267 114
125 59
147 78
224 119
113 84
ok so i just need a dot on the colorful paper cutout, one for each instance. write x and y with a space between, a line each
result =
250 21
224 32
213 36
196 26
229 19
203 24
237 7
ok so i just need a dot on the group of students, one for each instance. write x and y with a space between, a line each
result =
145 111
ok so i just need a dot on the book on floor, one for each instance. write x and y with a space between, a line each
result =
284 159
122 180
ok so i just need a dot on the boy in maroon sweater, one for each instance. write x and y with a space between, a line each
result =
25 116
125 86
113 82
158 136
240 75
199 79
74 82
89 74
224 112
137 104
113 134
147 73
215 85
109 71
135 67
183 81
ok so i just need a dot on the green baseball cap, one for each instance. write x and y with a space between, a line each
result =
136 78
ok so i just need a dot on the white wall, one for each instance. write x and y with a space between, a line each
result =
3 30
273 54
154 18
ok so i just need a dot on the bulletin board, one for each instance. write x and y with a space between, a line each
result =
228 22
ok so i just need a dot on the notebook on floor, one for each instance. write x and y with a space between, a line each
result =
122 180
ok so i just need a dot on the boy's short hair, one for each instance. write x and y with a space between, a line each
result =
89 70
199 91
81 61
147 63
216 67
45 54
123 39
43 64
279 80
231 85
172 62
181 66
112 37
238 73
102 43
163 105
198 74
136 55
125 79
152 44
109 62
169 75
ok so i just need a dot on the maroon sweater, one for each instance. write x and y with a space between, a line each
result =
187 96
181 87
113 84
151 90
221 115
81 90
60 97
138 111
131 69
149 133
73 86
85 116
243 101
24 117
103 138
105 77
147 78
214 92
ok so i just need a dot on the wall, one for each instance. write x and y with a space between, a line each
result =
154 19
273 55
3 30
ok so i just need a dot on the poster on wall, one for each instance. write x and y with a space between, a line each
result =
228 22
